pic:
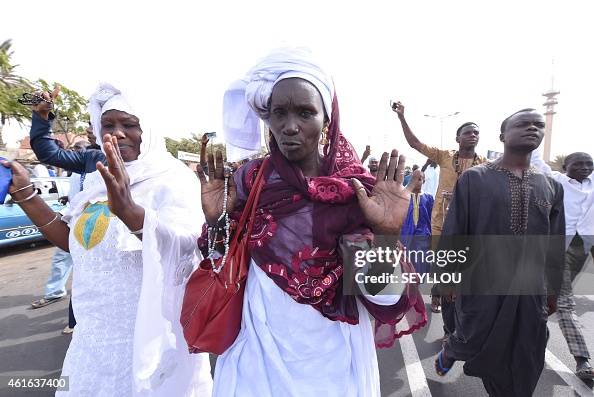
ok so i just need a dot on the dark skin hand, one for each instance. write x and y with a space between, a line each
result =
43 108
117 182
387 207
36 208
427 164
467 140
416 181
203 142
366 153
90 136
213 188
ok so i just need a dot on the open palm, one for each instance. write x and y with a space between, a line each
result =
213 189
386 208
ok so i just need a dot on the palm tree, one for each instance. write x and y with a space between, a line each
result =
11 86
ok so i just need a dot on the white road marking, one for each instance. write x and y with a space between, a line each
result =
414 370
567 375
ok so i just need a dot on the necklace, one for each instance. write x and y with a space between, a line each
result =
457 165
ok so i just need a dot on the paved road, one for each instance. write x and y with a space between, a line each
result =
31 343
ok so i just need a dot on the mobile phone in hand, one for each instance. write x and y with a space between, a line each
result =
5 180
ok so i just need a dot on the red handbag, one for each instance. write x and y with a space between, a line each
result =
213 301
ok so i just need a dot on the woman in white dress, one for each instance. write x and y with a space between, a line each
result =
300 335
131 233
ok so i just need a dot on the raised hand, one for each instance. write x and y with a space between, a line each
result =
44 108
117 182
416 181
213 189
366 153
386 209
398 108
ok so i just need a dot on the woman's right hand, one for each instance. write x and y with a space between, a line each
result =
213 189
20 178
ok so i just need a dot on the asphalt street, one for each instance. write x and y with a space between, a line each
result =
31 343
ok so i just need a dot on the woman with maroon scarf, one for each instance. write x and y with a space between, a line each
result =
300 335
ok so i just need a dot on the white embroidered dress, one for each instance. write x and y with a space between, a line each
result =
127 292
113 331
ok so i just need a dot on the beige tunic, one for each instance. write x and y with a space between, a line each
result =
447 181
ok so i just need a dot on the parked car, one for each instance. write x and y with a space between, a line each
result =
15 226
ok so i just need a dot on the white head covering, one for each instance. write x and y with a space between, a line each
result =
246 101
152 161
107 97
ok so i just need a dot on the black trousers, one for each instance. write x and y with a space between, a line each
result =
71 319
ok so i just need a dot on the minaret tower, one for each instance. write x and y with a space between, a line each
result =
549 113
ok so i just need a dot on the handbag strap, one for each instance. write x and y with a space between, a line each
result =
249 211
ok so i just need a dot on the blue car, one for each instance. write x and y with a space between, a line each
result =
15 226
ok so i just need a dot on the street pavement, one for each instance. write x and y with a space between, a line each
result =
31 343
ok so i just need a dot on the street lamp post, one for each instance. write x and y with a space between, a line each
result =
441 120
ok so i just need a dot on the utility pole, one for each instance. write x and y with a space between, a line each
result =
441 120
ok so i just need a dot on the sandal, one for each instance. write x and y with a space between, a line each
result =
586 373
67 330
436 304
439 366
45 301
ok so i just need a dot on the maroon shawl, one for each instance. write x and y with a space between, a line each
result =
299 223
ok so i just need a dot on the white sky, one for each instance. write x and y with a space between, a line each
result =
485 59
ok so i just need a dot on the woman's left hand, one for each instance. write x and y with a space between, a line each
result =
386 209
117 182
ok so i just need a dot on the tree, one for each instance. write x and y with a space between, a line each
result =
557 164
70 110
191 145
69 107
12 86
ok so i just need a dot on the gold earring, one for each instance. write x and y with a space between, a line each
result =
324 140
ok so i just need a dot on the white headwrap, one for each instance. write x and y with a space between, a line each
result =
169 192
107 97
152 161
246 101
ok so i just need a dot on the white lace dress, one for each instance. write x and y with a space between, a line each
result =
106 287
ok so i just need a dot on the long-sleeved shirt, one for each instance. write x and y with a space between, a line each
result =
447 180
578 200
48 151
431 181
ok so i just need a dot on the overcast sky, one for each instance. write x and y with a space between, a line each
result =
484 59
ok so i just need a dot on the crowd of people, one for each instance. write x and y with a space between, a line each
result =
139 221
